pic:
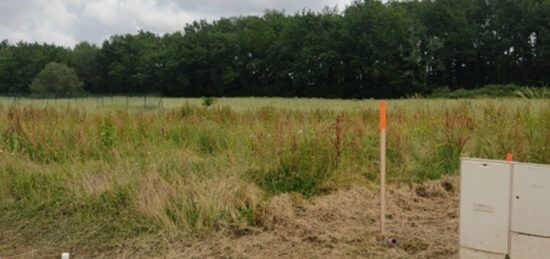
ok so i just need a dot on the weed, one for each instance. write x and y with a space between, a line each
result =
208 101
88 177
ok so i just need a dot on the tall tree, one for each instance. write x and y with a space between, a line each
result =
83 59
369 49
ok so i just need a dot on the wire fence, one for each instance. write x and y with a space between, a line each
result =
147 102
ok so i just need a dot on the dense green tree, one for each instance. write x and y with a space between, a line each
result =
21 62
129 63
57 80
383 44
540 40
83 59
369 49
5 58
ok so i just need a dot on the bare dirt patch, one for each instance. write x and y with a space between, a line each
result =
422 221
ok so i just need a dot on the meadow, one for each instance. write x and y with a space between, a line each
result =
96 174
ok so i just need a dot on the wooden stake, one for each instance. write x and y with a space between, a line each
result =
382 167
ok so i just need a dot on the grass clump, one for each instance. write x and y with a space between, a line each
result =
494 91
208 101
304 168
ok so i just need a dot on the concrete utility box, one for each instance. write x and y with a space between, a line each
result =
484 208
504 210
530 225
467 253
527 246
531 200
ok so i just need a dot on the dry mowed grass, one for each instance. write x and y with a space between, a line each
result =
248 177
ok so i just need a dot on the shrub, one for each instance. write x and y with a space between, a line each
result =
208 101
57 80
509 90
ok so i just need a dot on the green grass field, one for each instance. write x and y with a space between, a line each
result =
94 174
109 103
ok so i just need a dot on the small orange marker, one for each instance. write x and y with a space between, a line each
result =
509 157
382 115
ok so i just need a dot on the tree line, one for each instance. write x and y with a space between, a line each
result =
369 49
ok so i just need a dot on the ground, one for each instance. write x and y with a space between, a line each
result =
422 218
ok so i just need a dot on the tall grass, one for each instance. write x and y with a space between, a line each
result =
87 179
494 91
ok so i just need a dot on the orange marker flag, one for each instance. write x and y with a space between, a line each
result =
382 115
509 157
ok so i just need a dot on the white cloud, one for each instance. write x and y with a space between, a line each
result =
151 15
66 22
43 21
102 11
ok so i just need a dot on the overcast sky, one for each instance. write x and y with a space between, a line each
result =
67 22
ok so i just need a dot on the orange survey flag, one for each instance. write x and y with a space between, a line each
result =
382 115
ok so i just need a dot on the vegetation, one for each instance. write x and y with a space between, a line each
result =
92 181
95 173
369 49
208 101
494 91
57 79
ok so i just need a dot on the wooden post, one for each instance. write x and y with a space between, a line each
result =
382 167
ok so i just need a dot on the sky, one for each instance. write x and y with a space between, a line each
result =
67 22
